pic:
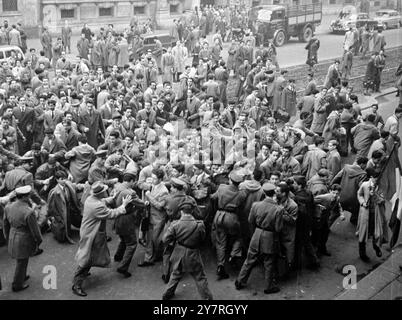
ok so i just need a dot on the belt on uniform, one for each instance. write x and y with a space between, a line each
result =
185 246
265 229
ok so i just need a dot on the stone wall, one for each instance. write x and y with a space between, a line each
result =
27 14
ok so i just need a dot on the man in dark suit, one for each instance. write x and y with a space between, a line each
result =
229 115
147 114
52 117
53 146
25 117
125 225
22 234
192 107
90 124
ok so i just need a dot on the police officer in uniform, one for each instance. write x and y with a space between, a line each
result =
22 234
226 225
186 235
266 218
173 201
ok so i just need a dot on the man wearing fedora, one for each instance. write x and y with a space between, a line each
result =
226 225
186 235
93 250
22 234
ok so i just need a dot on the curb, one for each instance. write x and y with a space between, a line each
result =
386 92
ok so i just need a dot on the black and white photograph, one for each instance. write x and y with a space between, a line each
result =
239 151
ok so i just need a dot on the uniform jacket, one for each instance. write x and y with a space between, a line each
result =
21 230
266 219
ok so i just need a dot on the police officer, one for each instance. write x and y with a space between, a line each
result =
266 219
186 235
22 234
226 225
173 201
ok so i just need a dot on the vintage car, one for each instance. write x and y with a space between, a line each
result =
7 51
388 19
349 18
150 41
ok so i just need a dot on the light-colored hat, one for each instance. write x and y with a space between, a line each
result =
23 190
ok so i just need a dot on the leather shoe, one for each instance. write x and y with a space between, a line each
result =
145 264
222 273
165 278
400 268
38 252
108 238
125 273
79 292
238 285
24 286
26 278
167 296
272 290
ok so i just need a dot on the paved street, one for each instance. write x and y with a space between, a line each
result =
292 53
147 284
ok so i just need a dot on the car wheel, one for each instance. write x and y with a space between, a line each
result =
280 38
306 34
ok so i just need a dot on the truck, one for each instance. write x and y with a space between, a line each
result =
281 22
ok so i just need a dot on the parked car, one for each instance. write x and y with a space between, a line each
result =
150 41
5 52
349 18
388 19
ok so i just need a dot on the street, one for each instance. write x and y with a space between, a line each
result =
292 53
146 283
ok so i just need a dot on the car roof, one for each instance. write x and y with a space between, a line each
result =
269 7
386 11
10 47
157 35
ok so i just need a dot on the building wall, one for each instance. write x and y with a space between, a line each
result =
27 13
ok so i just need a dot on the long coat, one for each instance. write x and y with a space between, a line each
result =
279 84
83 48
95 210
331 127
180 55
21 230
332 78
380 222
80 161
68 210
95 126
167 67
123 58
25 124
319 115
289 101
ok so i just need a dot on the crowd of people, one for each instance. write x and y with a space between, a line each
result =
160 145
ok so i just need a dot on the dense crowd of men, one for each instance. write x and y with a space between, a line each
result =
157 143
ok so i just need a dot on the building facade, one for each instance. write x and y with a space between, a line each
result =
34 14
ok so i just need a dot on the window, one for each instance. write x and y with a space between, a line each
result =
295 2
105 12
348 1
332 1
10 5
1 55
174 9
316 1
139 10
377 3
67 13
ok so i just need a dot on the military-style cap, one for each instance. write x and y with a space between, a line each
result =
75 102
116 116
101 153
23 190
236 177
26 159
175 182
268 187
187 205
323 172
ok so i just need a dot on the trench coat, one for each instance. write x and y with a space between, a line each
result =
21 230
95 125
380 221
80 161
278 86
95 210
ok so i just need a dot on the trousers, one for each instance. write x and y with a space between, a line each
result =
198 276
270 266
80 275
222 242
125 251
20 273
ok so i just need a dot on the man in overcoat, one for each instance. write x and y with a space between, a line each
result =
93 250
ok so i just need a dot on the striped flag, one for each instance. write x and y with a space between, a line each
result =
396 205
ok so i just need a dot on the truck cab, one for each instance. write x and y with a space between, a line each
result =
280 23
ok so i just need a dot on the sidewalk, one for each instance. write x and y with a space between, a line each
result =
384 283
